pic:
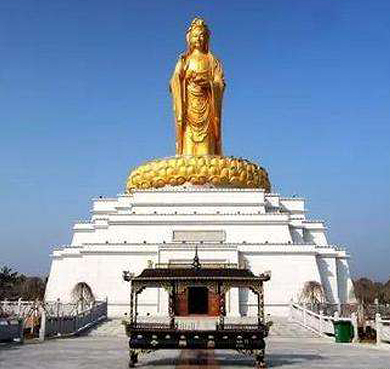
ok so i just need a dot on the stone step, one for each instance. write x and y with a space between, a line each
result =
109 328
281 326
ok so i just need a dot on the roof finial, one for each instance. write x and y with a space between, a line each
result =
196 263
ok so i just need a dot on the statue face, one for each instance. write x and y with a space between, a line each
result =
198 39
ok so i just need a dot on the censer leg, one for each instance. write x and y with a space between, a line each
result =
133 358
260 359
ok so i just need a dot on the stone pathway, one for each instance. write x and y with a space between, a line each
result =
111 352
289 347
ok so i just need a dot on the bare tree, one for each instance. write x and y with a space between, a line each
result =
82 295
312 293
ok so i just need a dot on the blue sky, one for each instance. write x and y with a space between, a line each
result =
84 98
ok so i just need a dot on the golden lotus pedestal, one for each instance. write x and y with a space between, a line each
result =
208 170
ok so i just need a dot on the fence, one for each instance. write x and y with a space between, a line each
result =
68 325
382 327
365 311
317 322
24 309
343 310
18 308
53 319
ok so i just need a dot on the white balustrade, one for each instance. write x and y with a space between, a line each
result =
382 329
318 323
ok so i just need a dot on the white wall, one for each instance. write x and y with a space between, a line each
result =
274 237
345 286
329 281
289 272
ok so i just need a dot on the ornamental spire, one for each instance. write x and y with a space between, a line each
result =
196 262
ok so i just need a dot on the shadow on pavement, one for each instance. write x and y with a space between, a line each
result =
168 361
230 360
274 361
10 346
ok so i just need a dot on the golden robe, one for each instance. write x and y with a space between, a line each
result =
197 90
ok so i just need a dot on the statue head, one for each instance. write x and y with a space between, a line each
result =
198 35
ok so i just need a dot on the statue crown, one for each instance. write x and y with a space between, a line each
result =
198 23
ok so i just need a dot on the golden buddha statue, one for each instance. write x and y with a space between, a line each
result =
197 86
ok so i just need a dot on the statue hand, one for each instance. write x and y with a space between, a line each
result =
201 80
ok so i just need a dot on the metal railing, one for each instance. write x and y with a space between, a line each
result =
53 318
69 325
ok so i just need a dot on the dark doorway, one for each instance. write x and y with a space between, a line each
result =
198 300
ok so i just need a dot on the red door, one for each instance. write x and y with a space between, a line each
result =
183 301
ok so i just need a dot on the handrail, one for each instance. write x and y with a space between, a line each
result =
24 308
64 325
318 323
382 327
55 318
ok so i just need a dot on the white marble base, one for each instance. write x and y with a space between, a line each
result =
243 227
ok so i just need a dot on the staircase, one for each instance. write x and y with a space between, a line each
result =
109 328
281 327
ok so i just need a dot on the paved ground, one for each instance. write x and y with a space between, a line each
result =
107 351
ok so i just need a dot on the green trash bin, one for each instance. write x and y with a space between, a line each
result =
343 331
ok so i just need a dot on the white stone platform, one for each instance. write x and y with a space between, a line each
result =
242 227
